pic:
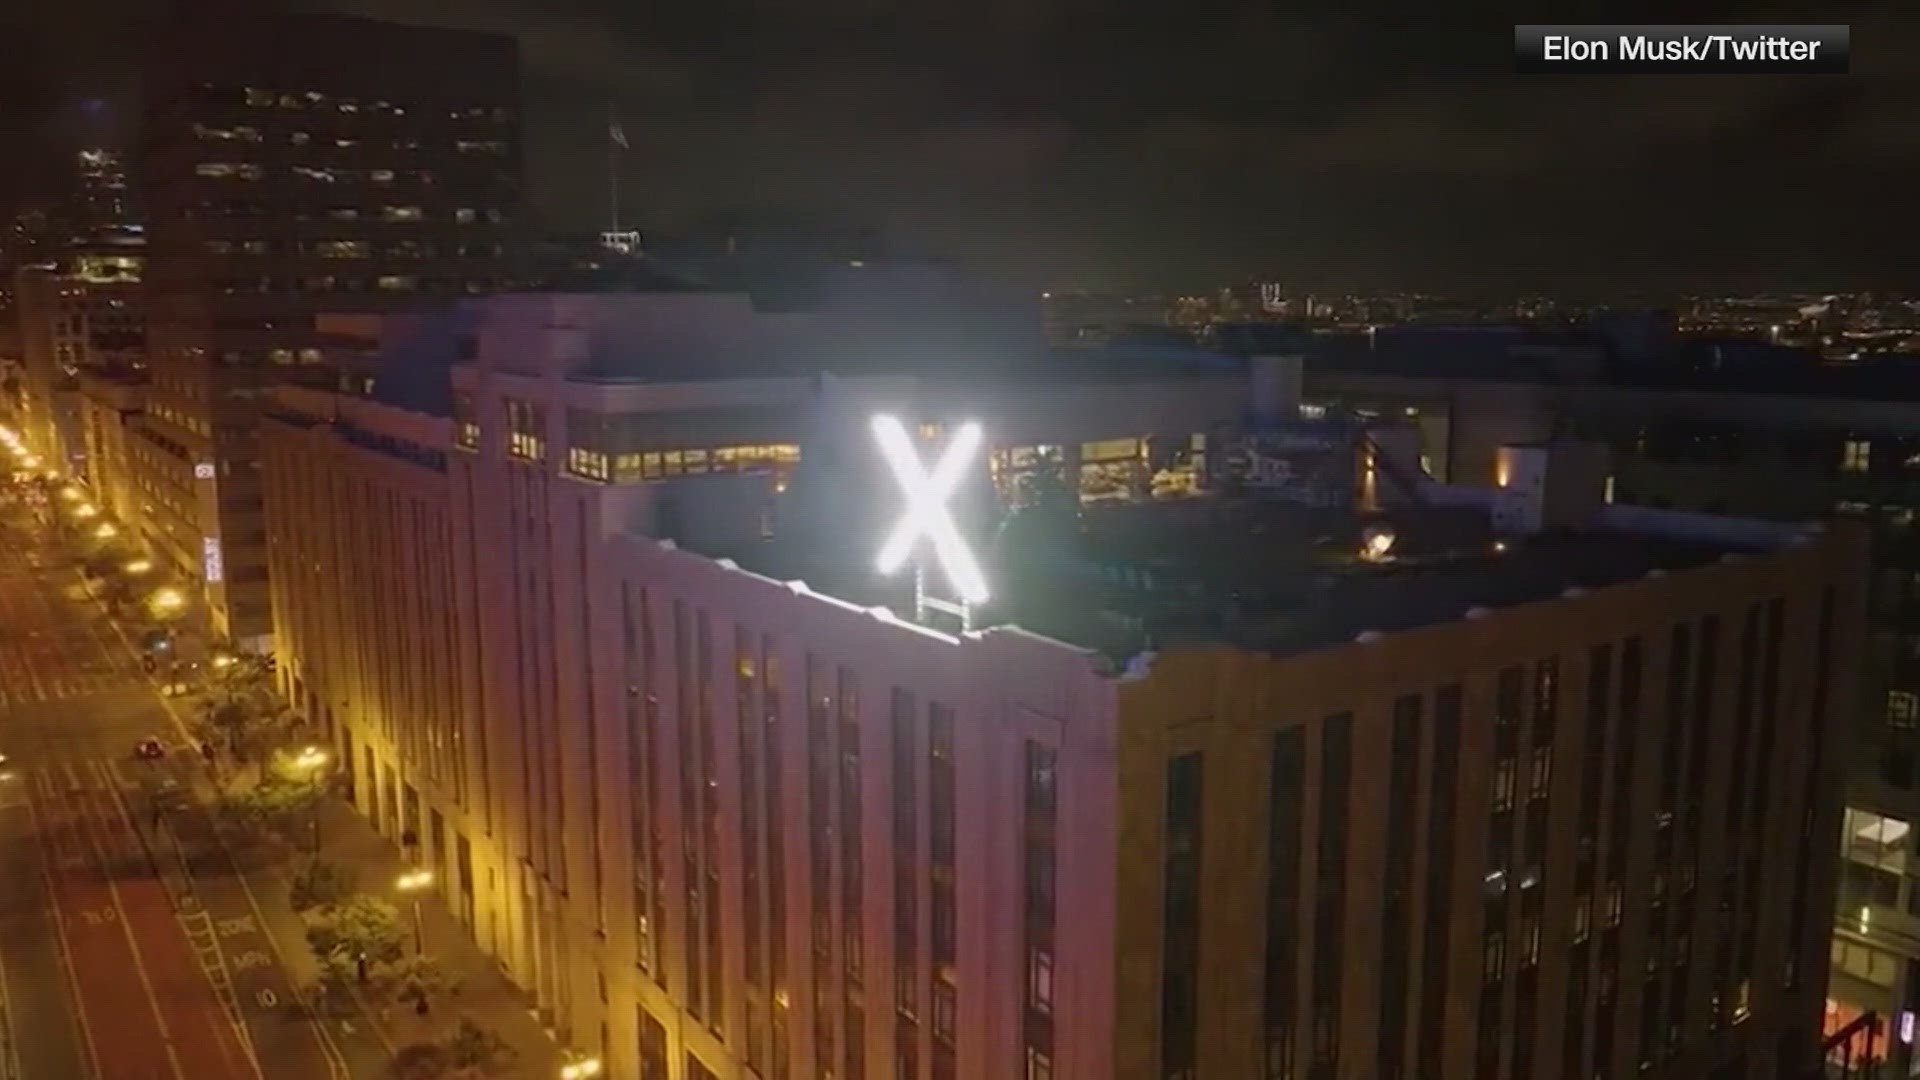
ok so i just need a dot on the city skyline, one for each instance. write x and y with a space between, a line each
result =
1086 147
1094 539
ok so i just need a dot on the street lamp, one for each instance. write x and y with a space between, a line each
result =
137 567
579 1067
70 493
308 764
106 531
85 511
167 601
412 884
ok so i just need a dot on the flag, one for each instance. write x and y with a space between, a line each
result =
618 134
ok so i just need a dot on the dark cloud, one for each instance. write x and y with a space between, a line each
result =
1184 141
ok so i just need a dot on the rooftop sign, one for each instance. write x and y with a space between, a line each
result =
926 513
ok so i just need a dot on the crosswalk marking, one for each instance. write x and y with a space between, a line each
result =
17 690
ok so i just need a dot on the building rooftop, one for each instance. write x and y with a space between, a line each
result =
1282 579
1272 577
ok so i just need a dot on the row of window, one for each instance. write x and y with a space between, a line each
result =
262 98
248 134
321 174
1517 869
664 464
835 832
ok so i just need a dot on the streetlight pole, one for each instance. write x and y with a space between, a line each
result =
412 884
311 762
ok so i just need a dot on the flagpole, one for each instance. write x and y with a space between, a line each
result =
613 172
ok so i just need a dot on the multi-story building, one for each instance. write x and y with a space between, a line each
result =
103 197
728 802
68 324
293 166
110 405
1768 442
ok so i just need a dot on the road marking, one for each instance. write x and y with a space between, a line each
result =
189 914
200 925
139 965
9 1050
336 1058
66 952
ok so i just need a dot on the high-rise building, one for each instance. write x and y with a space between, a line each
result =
1444 782
293 166
103 198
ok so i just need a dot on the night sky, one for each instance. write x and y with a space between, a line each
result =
1155 143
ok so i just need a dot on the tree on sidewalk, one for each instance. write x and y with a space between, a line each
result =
262 810
413 980
240 721
469 1052
351 937
281 805
423 1061
479 1050
319 883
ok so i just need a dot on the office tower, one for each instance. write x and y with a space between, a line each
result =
293 166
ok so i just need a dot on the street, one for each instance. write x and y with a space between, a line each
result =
131 947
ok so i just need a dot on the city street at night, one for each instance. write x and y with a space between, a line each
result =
131 947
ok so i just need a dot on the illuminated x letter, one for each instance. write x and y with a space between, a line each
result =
926 513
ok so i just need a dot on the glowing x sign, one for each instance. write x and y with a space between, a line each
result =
926 513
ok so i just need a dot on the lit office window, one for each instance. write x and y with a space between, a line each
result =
1903 708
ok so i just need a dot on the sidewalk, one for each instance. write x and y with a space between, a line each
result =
482 991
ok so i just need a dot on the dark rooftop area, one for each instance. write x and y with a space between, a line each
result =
1255 574
1282 579
1563 357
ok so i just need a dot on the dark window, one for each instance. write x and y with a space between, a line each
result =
1330 894
1041 836
1285 802
1679 660
1439 915
776 815
1546 700
1397 901
852 876
1179 989
1042 762
1508 697
1797 911
653 1047
820 772
906 869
